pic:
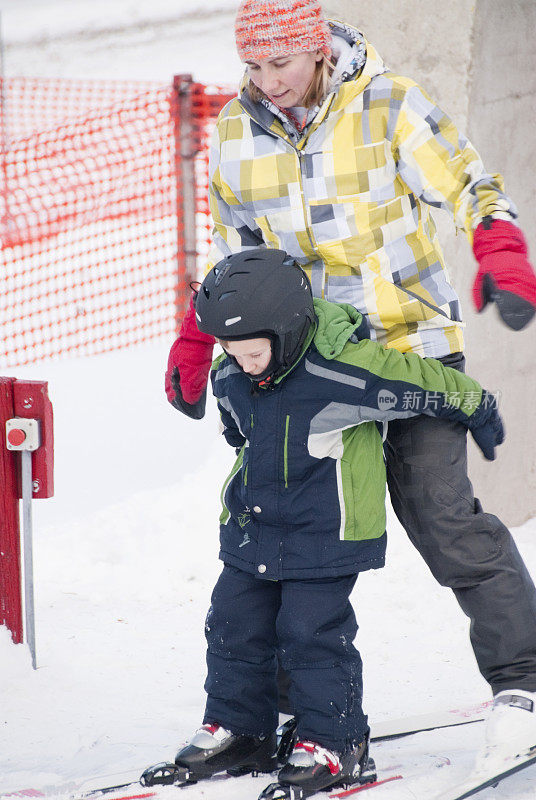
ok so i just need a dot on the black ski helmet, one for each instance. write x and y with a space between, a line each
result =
255 293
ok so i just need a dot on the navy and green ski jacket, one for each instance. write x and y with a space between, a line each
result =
306 495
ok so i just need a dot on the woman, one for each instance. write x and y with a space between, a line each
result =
331 157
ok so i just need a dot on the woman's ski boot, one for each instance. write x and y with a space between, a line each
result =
214 749
312 768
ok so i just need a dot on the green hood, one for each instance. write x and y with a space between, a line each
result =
336 324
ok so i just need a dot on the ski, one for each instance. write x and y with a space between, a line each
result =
407 726
126 791
365 786
134 796
477 783
160 776
136 790
137 793
346 793
380 731
70 789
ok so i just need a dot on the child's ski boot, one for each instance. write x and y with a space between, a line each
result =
312 768
214 749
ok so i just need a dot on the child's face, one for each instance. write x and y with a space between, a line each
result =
252 355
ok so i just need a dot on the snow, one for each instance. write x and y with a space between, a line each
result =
37 20
125 554
126 39
125 557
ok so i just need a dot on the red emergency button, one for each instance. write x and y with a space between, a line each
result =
16 437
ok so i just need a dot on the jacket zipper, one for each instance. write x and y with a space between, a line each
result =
299 154
306 212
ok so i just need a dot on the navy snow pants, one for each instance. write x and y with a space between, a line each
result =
311 625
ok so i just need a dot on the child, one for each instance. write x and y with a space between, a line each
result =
303 394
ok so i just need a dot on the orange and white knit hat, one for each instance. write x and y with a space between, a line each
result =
270 28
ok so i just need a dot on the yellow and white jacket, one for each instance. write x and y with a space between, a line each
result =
350 197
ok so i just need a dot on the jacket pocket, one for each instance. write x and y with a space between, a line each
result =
225 512
345 486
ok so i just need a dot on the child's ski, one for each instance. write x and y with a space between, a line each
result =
381 731
363 787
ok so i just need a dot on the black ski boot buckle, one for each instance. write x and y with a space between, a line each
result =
166 774
282 791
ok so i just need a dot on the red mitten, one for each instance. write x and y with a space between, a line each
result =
189 363
505 275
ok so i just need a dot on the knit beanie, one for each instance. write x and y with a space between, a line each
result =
270 28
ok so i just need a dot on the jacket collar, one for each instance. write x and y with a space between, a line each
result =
335 324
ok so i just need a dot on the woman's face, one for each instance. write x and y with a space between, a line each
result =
284 79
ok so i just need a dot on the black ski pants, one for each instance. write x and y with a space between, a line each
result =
466 549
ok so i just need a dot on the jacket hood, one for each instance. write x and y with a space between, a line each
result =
348 51
337 323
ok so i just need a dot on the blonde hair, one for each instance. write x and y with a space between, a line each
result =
315 94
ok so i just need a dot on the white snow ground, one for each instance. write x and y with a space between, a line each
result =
126 551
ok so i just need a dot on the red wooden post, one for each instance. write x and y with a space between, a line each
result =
10 569
20 399
30 400
192 108
181 110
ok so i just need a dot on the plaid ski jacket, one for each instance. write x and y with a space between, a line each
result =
350 199
306 495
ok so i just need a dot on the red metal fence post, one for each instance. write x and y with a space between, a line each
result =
185 152
10 567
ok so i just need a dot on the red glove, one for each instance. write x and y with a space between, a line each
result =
189 363
505 275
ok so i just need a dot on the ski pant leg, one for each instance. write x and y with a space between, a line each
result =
465 548
283 689
241 654
316 627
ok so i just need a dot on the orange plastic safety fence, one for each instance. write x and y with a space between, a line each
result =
207 101
91 244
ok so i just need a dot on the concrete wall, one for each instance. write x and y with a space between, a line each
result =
476 60
502 123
